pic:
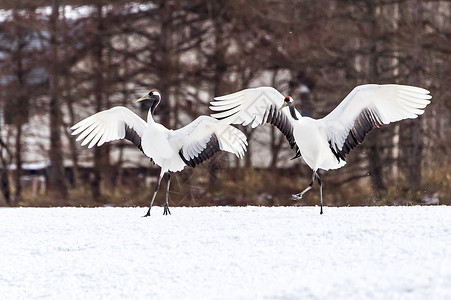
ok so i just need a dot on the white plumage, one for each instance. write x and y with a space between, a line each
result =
107 126
323 143
172 150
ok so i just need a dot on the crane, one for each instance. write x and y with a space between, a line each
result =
171 150
323 143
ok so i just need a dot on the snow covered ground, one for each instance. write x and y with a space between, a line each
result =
226 253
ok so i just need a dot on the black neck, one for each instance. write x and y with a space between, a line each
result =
154 106
293 112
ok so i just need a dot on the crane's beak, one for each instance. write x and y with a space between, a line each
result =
283 106
146 97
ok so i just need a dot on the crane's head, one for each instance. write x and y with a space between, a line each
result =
286 102
152 96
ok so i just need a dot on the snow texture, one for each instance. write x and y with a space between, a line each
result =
226 253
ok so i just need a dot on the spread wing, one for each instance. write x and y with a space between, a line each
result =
205 136
369 106
109 125
256 106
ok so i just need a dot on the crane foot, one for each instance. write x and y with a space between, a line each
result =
166 210
296 197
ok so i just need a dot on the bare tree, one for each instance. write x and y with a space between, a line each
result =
57 182
18 63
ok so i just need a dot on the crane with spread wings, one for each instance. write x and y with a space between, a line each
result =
323 143
172 150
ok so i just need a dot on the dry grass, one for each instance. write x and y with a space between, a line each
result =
251 187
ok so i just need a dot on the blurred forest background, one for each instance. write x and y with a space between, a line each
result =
63 60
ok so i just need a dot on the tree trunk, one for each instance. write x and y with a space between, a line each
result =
417 146
72 142
219 70
101 154
57 182
411 144
165 62
375 143
4 180
17 111
18 159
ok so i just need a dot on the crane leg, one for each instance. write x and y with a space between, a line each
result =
154 195
299 196
166 204
320 192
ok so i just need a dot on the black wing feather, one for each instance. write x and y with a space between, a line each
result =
280 120
211 149
365 122
133 136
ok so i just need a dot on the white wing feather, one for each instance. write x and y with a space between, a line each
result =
194 137
388 103
108 125
248 106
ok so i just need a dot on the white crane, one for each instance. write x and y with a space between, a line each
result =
172 150
323 143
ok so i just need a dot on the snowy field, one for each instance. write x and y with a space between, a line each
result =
226 253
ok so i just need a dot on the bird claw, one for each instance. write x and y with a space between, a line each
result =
166 210
296 197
